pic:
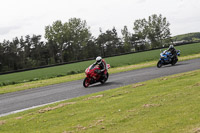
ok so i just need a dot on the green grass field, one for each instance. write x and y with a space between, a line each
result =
68 69
164 105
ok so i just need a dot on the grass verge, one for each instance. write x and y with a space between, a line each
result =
167 104
68 78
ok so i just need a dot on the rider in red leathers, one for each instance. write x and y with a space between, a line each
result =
102 65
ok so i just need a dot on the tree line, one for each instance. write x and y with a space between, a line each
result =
72 41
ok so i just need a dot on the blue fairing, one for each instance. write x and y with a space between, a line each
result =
164 56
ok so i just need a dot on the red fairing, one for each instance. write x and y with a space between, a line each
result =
108 66
90 72
87 71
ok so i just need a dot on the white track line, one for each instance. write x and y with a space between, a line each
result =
17 111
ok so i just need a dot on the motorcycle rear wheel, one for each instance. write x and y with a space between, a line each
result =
86 82
105 79
174 62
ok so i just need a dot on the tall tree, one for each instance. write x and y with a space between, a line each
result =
69 38
109 43
141 29
38 52
78 34
154 31
158 30
126 37
55 36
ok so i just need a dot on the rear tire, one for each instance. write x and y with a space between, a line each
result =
105 79
174 62
86 82
159 64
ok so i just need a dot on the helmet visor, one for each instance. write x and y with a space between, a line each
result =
98 61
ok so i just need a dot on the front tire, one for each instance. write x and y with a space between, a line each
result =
159 64
86 82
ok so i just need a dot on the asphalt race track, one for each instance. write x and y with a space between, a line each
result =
22 100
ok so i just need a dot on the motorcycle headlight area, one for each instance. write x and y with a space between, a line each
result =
162 56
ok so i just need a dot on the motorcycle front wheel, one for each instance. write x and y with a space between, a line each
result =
86 82
159 64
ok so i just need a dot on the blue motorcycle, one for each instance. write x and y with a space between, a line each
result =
167 58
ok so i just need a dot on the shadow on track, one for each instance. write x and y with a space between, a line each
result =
179 64
105 84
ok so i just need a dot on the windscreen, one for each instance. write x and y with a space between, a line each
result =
92 66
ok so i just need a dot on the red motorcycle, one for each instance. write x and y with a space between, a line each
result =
93 75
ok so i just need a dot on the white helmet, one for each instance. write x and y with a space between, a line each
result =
99 60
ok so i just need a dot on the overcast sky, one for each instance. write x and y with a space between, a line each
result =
27 17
